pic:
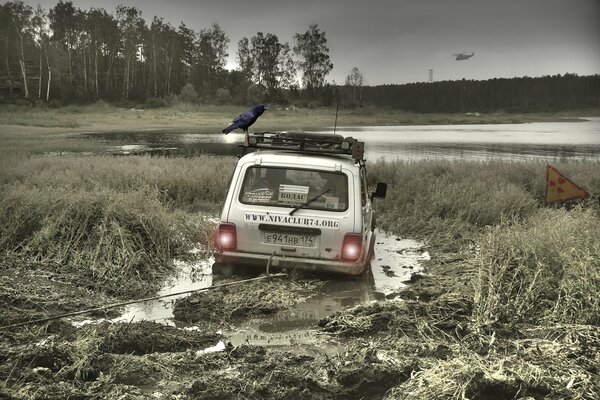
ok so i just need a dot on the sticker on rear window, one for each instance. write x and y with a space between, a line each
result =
259 196
293 194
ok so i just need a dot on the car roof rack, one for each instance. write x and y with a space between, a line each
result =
306 142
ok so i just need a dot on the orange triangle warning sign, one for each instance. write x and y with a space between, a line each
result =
559 188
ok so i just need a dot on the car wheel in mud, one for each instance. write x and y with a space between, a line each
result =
366 277
224 269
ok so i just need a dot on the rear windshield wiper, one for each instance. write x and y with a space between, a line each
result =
309 201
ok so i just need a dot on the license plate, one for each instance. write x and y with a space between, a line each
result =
288 239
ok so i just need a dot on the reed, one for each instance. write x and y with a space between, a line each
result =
451 203
192 184
121 243
116 220
546 269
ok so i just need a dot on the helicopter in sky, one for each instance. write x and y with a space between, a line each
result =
463 56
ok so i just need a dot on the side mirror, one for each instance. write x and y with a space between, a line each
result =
380 190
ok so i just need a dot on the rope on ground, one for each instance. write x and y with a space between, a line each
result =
126 303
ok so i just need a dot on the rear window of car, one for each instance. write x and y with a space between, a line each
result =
291 187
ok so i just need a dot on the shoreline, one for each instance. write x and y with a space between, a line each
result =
110 119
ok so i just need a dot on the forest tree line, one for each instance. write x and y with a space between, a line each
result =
75 55
547 93
67 55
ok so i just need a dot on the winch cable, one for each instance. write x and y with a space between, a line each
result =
126 303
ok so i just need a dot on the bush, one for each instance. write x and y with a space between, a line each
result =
156 102
255 94
223 96
188 93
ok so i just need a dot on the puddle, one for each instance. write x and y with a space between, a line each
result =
297 326
396 261
192 276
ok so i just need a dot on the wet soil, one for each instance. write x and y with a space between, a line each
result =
246 341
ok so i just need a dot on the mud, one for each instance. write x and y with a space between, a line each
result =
298 337
231 303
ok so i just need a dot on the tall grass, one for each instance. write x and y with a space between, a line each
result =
118 221
192 184
119 242
544 269
450 203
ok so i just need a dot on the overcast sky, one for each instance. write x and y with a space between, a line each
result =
399 41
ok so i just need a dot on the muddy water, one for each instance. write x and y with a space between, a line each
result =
191 276
395 262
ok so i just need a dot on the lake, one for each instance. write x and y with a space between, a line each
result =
518 142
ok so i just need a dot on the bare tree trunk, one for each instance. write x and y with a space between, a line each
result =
69 56
126 78
85 77
23 71
96 67
49 75
169 70
112 59
154 65
40 80
10 86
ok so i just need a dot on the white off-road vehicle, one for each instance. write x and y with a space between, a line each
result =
298 201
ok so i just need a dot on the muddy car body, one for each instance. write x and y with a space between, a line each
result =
298 202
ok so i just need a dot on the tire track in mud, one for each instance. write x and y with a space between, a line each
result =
286 326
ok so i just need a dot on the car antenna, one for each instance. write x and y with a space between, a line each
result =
337 107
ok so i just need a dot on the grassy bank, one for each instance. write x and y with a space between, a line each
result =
207 118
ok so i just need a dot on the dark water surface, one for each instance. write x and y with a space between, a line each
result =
518 142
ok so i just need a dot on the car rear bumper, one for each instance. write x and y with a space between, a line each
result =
280 261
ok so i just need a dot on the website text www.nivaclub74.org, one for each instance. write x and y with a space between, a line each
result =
292 220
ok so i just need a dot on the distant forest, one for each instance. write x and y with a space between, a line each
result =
67 55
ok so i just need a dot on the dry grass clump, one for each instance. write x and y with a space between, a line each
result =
123 243
562 365
545 269
117 221
447 316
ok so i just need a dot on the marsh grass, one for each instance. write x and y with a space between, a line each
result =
119 221
121 243
100 116
546 269
191 184
451 203
38 117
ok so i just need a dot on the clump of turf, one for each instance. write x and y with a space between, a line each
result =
241 301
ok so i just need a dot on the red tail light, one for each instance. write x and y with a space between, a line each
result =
226 237
352 246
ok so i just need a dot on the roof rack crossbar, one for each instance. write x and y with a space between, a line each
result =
294 141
